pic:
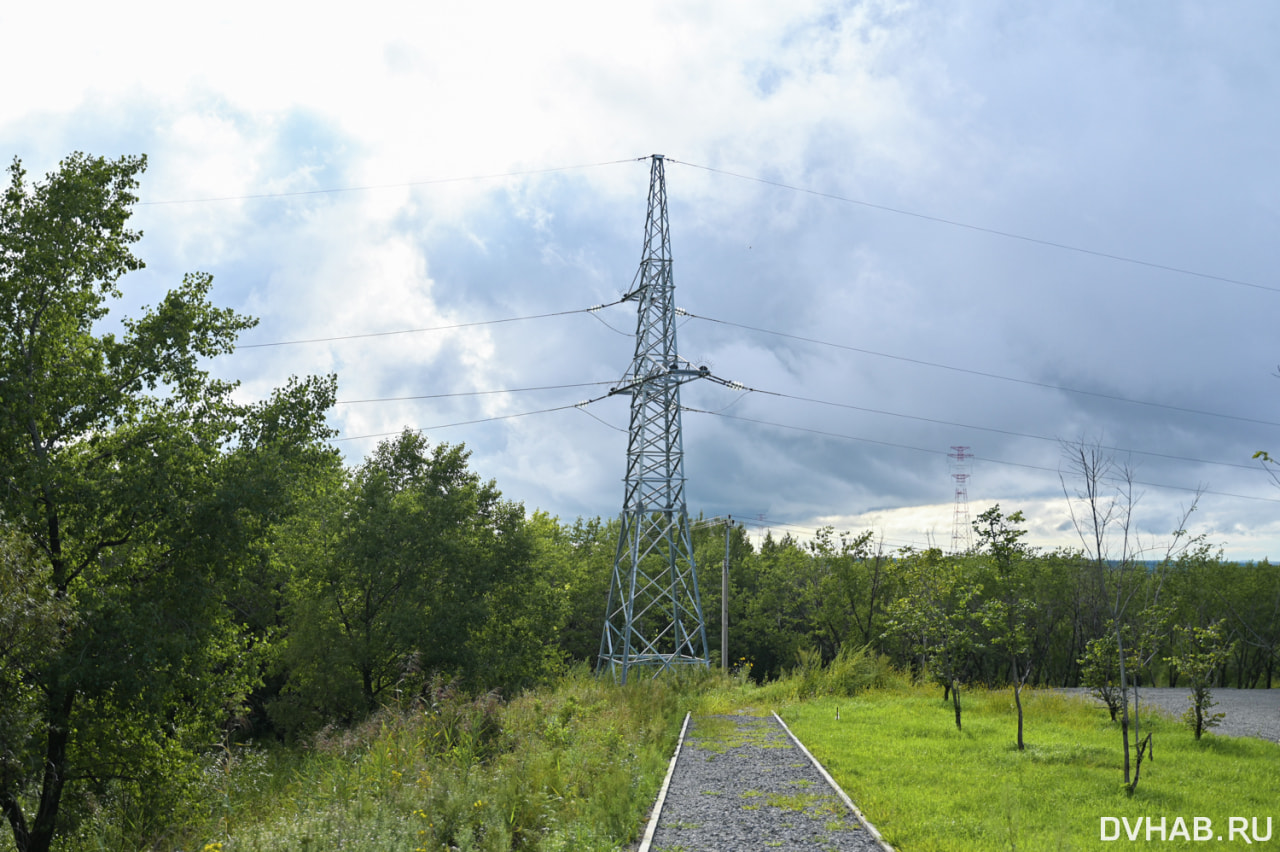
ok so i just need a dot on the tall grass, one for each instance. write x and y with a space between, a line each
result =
574 767
854 670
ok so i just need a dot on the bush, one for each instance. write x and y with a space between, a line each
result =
854 670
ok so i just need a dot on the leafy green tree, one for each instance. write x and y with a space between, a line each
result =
411 566
137 487
938 617
1201 652
578 559
1250 600
29 623
1100 671
1010 614
850 592
770 607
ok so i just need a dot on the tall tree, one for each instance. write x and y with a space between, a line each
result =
413 566
137 483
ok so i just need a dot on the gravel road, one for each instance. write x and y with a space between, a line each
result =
1249 712
740 783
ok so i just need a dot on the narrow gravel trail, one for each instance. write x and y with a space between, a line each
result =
741 783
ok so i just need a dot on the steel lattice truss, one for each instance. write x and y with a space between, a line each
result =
654 615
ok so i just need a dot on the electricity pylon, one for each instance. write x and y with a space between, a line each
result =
961 529
654 614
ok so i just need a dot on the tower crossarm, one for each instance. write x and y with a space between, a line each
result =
680 375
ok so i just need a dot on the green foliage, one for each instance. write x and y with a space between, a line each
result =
826 594
575 561
411 566
1100 671
29 622
574 767
139 488
940 619
1201 652
854 670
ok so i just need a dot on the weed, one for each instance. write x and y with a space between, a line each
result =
811 803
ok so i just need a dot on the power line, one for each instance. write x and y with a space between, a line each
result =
985 230
816 341
432 328
368 187
997 431
986 375
830 403
978 458
478 420
471 393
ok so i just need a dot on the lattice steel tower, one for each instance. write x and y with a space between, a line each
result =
654 614
961 529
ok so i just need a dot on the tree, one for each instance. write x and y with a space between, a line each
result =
1100 671
29 619
1102 511
1201 651
850 590
937 617
1009 615
770 605
578 559
137 486
411 566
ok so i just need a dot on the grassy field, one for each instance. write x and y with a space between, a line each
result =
577 766
928 787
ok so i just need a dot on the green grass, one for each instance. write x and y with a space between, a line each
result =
575 767
927 786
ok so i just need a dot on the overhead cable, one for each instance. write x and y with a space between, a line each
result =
432 328
470 393
982 229
981 373
977 458
478 420
368 187
1010 433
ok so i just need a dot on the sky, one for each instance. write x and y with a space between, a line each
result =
906 227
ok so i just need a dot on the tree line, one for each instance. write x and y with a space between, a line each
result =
179 569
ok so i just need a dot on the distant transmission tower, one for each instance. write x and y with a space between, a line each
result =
654 614
961 530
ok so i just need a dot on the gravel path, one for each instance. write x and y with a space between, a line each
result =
740 783
1249 712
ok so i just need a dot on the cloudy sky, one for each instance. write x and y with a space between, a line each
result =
909 226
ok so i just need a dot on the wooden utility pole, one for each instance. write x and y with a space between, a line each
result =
724 599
